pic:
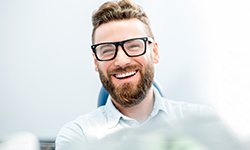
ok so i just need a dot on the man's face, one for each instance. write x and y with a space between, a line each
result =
127 79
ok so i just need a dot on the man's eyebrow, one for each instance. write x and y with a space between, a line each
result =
103 45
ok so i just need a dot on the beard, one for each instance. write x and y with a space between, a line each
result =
129 94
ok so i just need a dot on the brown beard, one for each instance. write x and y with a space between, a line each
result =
128 95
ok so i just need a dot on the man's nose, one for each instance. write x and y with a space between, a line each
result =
122 59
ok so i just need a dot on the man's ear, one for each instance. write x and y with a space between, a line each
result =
155 53
95 62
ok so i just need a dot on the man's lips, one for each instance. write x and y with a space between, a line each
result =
125 74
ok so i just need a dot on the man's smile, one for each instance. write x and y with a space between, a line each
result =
125 75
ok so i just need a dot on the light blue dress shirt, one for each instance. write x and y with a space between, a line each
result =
106 120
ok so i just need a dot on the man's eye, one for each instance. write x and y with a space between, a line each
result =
107 51
134 47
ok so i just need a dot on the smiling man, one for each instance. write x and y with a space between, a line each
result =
124 52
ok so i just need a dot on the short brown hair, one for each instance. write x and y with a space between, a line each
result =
119 10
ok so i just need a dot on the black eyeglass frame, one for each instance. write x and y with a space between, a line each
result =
121 43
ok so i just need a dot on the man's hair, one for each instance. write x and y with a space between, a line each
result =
119 10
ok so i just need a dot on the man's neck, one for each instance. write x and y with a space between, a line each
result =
141 111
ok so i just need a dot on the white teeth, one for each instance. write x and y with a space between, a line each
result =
123 75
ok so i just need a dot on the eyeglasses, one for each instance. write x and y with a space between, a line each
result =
132 48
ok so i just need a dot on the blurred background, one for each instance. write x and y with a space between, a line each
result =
47 75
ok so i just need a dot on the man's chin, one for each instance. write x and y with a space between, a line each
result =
126 86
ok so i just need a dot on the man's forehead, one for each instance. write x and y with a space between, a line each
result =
120 30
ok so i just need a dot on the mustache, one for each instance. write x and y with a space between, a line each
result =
125 69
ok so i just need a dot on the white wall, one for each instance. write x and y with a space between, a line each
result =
47 75
227 39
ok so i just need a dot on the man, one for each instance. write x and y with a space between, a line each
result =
124 52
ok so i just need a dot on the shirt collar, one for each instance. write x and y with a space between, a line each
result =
114 115
159 103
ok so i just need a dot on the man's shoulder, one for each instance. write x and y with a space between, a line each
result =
188 109
89 120
82 128
98 114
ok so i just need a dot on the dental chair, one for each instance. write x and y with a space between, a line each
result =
103 94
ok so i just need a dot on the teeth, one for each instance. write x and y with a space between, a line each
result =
123 75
